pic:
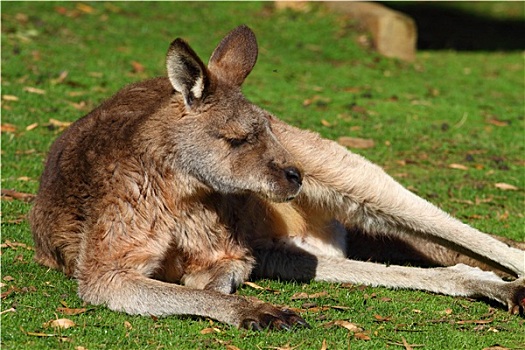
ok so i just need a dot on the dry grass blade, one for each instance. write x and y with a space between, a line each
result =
475 321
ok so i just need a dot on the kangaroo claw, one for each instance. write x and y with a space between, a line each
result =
268 316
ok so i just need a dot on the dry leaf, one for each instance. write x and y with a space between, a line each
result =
339 307
324 346
484 200
63 75
85 8
8 128
254 285
356 142
325 123
63 323
317 99
137 67
9 98
371 296
286 346
504 216
361 336
8 278
18 220
317 309
505 187
76 93
232 347
348 325
80 105
345 324
128 325
70 312
352 89
57 124
25 152
458 166
210 330
303 295
12 194
31 126
497 122
15 245
5 294
308 305
478 328
380 318
34 90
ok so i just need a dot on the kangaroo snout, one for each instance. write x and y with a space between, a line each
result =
294 175
287 182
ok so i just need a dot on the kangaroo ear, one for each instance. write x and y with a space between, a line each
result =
235 56
186 72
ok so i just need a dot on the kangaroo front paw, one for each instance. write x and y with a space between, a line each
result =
516 303
269 316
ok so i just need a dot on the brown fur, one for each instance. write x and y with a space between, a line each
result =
181 180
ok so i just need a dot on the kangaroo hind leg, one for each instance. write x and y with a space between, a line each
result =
360 194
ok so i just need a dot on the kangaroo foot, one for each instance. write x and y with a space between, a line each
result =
516 302
269 316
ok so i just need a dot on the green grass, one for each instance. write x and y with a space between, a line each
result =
446 108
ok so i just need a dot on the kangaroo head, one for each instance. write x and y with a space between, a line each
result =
224 140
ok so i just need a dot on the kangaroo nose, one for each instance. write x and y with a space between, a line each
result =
294 175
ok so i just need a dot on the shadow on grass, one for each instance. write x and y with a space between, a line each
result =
443 27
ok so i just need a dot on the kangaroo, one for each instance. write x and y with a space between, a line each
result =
169 195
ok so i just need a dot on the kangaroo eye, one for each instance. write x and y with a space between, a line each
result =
237 142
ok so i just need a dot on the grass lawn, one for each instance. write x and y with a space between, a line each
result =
449 126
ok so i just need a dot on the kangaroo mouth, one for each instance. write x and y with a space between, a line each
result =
282 197
290 198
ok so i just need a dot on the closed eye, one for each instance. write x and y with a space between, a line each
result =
237 142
